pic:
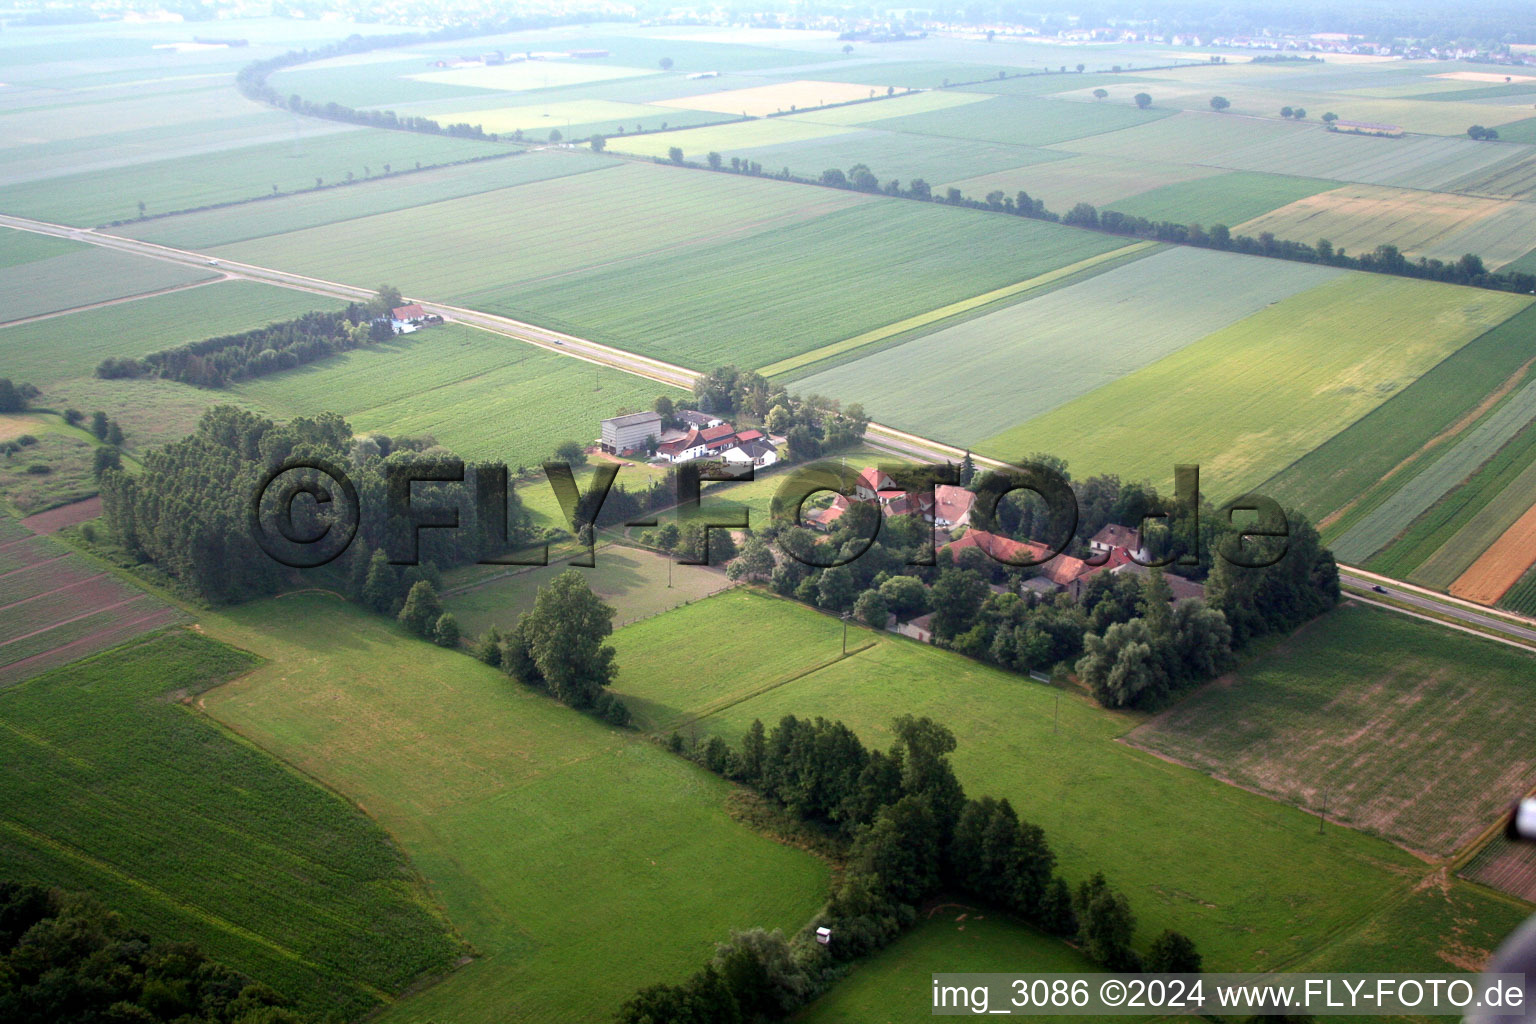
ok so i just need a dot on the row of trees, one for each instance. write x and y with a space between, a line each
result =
910 833
1384 259
65 957
215 362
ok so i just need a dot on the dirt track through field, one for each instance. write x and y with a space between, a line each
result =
1502 565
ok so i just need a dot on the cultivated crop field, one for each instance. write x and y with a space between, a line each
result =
1099 181
376 195
85 278
727 139
59 606
1506 867
1303 150
1510 491
984 376
59 348
551 839
1434 225
1024 120
777 98
1393 515
1419 420
576 119
163 186
493 397
1255 891
1246 401
482 250
1228 198
1503 563
1406 729
902 156
110 785
633 580
758 299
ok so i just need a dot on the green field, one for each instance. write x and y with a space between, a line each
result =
361 199
735 137
86 277
111 785
1024 120
923 74
984 376
633 580
1375 530
572 119
25 247
487 248
491 397
555 843
1098 181
1246 401
758 299
899 155
1248 878
98 197
1522 596
61 347
1378 712
1225 199
1368 452
67 451
1272 146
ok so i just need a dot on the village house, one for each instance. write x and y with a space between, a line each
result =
750 447
624 435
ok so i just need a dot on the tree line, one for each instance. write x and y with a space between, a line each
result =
906 831
215 362
1384 259
65 957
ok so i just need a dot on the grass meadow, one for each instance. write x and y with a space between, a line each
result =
1406 729
774 294
111 784
484 395
899 155
1229 198
56 349
1024 120
1248 878
983 377
735 137
1099 181
1248 400
579 861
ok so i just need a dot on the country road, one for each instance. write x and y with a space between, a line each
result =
1424 604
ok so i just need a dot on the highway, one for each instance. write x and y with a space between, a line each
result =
1400 597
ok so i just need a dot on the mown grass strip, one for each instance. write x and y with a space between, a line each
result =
933 316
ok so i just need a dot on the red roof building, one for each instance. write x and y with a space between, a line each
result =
412 311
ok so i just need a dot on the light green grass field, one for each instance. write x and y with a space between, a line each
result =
975 380
633 580
762 298
1025 120
1226 199
360 199
1379 711
503 241
111 785
484 395
581 862
163 186
888 108
917 74
1248 878
25 247
62 347
1386 521
1248 400
86 277
575 119
1370 451
899 155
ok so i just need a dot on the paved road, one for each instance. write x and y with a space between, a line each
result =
879 436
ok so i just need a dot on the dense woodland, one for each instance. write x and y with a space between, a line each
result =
65 957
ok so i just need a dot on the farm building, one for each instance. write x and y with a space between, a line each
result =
920 628
631 433
750 447
1115 536
702 420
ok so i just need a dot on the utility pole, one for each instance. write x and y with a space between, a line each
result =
845 634
1324 816
1057 717
669 570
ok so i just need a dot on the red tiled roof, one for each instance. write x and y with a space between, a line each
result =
870 477
1003 549
749 435
952 502
719 433
413 311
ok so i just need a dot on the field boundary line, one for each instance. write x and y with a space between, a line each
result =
1475 846
714 709
55 590
1513 618
1448 624
64 622
115 302
191 909
1514 536
933 316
